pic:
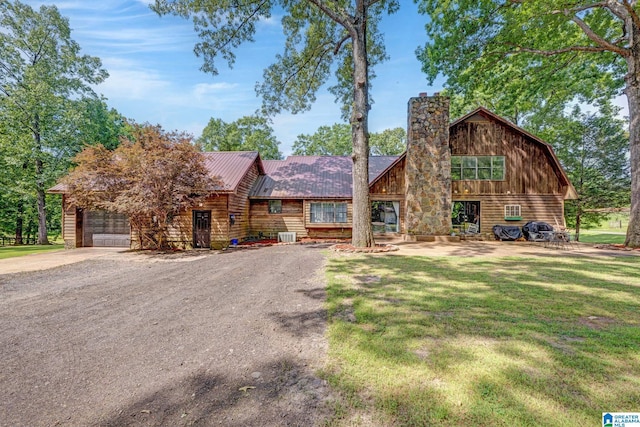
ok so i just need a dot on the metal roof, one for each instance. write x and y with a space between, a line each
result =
307 177
229 167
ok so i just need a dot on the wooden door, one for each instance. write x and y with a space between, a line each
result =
201 229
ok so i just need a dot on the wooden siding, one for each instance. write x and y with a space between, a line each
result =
291 218
239 205
548 208
528 167
180 233
392 182
70 234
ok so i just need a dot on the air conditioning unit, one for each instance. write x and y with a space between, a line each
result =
287 237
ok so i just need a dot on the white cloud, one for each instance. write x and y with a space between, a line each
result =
129 81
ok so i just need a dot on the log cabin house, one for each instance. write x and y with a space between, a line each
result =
476 172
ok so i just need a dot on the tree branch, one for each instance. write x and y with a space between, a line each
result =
340 43
630 8
597 39
341 18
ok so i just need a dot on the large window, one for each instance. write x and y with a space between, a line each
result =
477 167
328 212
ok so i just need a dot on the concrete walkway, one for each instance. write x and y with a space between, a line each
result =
46 260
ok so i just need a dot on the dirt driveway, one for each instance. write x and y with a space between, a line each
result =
202 338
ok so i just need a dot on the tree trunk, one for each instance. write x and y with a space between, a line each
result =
42 209
362 232
633 97
578 221
19 222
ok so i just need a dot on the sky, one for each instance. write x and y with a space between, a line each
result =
155 77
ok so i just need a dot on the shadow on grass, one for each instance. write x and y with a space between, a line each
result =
510 341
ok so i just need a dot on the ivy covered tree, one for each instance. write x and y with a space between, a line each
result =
151 179
547 52
42 75
322 38
249 133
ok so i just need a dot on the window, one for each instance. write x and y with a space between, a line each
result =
275 206
328 212
477 168
512 212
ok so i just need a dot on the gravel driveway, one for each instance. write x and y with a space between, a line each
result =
199 338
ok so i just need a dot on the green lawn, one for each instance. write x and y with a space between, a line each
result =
15 251
597 236
483 341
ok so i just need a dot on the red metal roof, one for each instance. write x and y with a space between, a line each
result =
307 177
229 167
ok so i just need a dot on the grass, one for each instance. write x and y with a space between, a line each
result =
483 341
608 232
16 251
596 236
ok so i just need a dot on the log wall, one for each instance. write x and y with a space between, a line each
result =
548 208
291 218
239 206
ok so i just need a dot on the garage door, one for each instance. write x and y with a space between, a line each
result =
103 228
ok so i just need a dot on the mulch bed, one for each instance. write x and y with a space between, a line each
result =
349 248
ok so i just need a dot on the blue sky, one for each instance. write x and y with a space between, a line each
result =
156 77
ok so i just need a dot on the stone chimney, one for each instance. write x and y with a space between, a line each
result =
428 167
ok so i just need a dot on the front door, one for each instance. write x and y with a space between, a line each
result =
201 229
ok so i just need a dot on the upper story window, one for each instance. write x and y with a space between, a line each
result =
328 212
275 206
477 167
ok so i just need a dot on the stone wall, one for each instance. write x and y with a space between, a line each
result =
428 167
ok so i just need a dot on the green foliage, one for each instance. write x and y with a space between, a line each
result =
489 49
249 133
389 142
327 141
594 150
151 180
336 141
43 77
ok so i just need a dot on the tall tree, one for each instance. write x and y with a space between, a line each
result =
594 150
41 71
326 141
249 133
336 141
389 142
318 34
151 180
558 50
